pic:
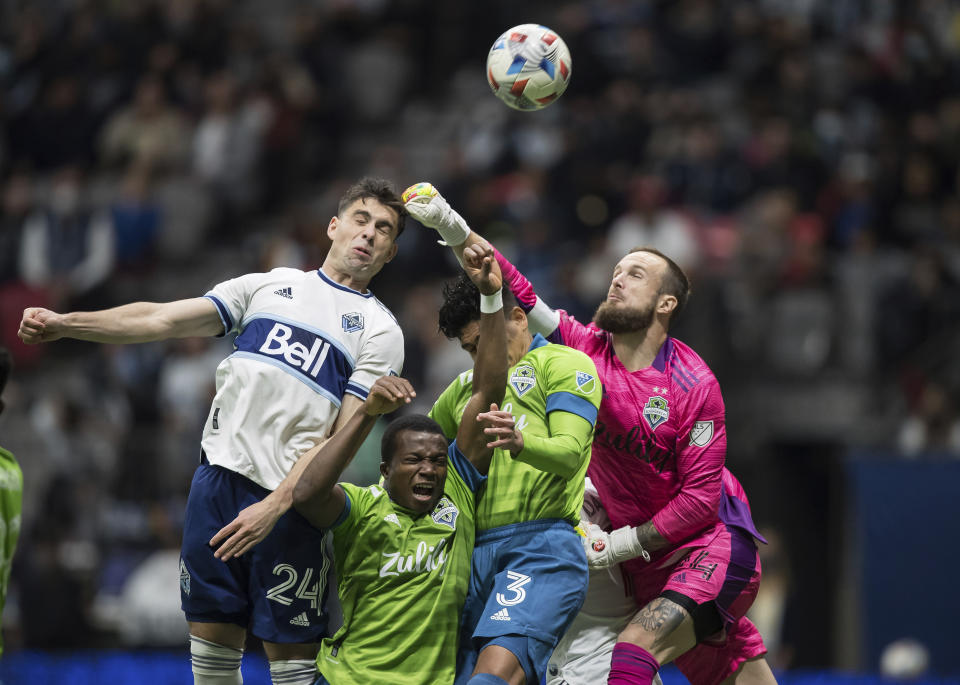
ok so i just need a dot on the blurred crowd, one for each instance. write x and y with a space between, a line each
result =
800 159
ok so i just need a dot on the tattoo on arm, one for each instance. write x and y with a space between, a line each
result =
661 616
650 538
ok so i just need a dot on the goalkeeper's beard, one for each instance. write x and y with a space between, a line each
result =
620 319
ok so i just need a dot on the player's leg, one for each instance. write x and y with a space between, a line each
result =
498 664
292 664
213 594
216 650
289 570
582 656
727 568
660 632
754 671
538 589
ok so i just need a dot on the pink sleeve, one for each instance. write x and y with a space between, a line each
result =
521 288
554 324
702 448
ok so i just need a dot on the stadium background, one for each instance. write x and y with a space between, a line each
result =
798 157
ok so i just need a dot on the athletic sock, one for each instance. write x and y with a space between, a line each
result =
486 679
632 665
214 664
293 672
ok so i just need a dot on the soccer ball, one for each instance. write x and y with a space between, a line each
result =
528 67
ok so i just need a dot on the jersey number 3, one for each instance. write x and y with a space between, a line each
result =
516 587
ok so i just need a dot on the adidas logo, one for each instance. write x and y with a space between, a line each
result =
284 292
300 620
501 615
392 518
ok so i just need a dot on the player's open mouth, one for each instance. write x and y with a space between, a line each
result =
423 489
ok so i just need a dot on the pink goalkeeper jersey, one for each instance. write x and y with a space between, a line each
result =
660 440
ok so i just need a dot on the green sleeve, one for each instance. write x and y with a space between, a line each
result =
573 395
564 450
444 410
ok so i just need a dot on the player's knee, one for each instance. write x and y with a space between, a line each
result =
214 664
293 671
514 658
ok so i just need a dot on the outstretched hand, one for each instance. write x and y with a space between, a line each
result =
425 204
501 430
40 325
481 266
250 526
388 394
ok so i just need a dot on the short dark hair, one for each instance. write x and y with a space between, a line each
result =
461 305
675 282
380 190
417 423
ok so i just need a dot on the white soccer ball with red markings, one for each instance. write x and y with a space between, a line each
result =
528 67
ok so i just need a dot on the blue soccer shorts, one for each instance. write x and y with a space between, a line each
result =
528 582
276 590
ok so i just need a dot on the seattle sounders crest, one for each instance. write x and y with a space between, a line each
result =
656 412
446 513
523 379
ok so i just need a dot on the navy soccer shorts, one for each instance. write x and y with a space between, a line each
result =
276 590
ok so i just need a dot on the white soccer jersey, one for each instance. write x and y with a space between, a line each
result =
302 342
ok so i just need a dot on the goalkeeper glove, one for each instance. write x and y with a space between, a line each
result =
608 549
425 204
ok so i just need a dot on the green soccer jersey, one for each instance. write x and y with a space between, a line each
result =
11 500
547 378
402 583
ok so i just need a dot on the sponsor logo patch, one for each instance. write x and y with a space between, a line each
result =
585 382
284 292
523 379
392 518
702 433
656 412
501 615
352 322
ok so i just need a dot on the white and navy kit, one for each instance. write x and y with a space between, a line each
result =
303 342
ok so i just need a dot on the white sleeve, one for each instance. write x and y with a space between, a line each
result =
233 297
382 355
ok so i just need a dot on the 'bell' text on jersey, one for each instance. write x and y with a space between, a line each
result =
303 341
547 378
402 583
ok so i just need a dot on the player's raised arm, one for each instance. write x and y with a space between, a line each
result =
130 323
316 494
425 204
490 368
573 395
